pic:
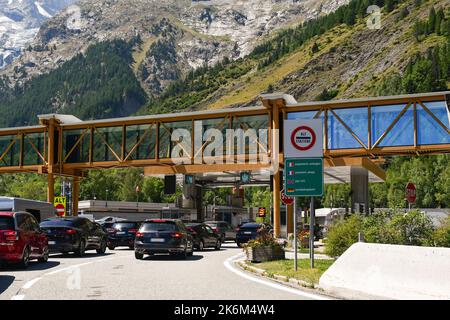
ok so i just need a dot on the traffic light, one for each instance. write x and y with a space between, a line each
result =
170 184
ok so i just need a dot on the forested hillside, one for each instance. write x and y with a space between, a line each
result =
97 84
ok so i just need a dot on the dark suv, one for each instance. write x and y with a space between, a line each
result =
74 234
163 236
21 239
122 234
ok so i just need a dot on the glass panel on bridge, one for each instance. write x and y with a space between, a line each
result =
257 123
34 144
166 145
428 130
108 144
76 145
9 151
356 120
140 142
401 134
208 137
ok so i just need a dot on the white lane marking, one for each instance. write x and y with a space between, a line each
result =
67 268
228 265
30 283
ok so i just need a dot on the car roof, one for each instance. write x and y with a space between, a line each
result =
162 220
252 225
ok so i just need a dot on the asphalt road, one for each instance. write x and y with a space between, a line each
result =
207 275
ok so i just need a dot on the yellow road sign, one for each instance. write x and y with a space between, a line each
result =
60 205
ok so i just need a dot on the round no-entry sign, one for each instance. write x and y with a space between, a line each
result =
411 192
286 199
303 138
60 209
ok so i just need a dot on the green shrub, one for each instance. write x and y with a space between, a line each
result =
442 235
343 234
389 227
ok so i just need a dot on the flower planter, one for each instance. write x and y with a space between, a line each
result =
261 254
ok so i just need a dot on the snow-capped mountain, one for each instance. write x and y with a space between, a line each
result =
20 21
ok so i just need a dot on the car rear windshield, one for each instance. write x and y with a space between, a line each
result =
159 226
251 226
125 225
57 222
6 223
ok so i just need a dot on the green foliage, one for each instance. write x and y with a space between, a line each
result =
343 234
28 186
442 234
98 84
388 227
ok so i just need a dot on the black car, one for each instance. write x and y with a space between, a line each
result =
163 236
250 231
74 234
226 231
204 236
122 234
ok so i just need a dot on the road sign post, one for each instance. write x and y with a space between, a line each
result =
303 169
410 194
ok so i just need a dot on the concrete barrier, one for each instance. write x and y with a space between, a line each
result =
380 271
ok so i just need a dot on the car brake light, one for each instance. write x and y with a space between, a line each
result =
139 234
71 231
176 235
11 235
216 229
237 229
132 230
158 220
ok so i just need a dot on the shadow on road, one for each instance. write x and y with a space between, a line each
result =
166 257
74 256
5 282
33 266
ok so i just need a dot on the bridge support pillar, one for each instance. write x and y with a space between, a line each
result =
75 195
359 179
192 199
50 187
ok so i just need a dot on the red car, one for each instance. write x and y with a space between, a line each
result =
21 239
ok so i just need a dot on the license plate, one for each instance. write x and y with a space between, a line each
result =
247 232
121 232
157 240
52 242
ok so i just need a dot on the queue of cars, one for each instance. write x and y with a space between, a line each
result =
23 239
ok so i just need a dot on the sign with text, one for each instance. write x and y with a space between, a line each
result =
303 177
303 138
411 192
60 205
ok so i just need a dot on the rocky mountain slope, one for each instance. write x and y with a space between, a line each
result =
20 21
197 33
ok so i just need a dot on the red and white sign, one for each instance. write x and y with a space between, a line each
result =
286 199
411 192
303 138
60 209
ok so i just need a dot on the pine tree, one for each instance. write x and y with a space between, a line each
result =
432 20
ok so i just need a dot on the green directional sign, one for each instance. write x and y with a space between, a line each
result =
303 177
